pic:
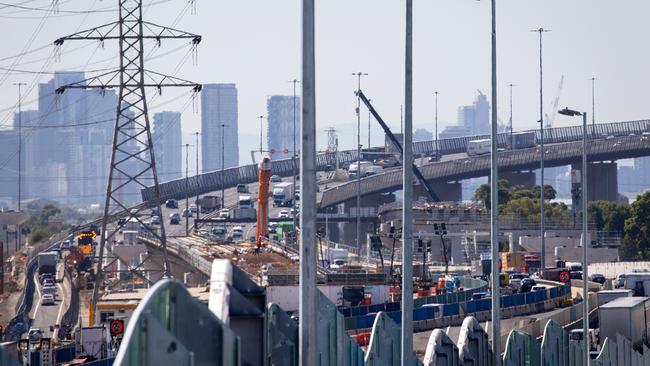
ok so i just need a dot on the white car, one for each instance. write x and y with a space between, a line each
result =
224 213
284 214
47 299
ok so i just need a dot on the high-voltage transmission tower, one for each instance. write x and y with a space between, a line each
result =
132 159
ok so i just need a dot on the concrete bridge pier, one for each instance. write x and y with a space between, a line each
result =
602 181
347 232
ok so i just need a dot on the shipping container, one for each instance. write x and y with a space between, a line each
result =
605 296
625 316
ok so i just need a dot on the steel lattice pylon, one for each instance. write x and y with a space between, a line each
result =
132 159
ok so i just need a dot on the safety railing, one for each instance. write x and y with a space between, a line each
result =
214 181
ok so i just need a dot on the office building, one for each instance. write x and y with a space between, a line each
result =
476 118
219 107
282 134
167 142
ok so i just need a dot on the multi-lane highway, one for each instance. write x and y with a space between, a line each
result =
45 317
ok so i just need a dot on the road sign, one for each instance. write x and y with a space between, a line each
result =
286 151
565 276
117 327
272 151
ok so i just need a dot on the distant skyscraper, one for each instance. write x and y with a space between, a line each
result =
219 106
280 129
167 143
9 167
476 118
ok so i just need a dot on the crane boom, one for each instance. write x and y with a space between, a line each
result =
264 170
392 137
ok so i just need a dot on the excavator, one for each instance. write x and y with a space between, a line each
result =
264 176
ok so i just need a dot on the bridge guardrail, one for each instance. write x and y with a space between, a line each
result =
214 181
556 155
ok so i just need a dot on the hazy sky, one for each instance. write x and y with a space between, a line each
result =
256 44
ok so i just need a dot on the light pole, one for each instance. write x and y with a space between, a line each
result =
358 110
198 210
187 211
368 147
541 146
593 107
293 158
407 192
223 166
512 141
20 154
494 205
585 242
435 137
307 331
261 130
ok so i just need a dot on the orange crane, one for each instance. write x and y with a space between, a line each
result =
264 174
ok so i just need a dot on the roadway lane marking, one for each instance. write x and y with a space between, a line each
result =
38 299
58 316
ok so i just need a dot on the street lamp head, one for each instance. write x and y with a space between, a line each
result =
569 112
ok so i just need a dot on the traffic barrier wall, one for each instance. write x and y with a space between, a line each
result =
71 315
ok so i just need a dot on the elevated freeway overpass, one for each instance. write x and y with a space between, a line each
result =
558 154
228 178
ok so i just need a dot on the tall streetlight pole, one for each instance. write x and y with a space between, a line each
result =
187 211
407 191
20 143
494 205
359 75
223 166
293 158
435 137
541 146
261 135
369 115
512 141
593 107
198 210
307 327
585 242
20 156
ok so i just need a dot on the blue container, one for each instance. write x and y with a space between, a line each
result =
450 309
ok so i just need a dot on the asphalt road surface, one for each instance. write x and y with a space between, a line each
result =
46 316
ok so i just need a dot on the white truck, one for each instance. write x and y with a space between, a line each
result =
283 194
337 257
479 147
354 169
245 209
522 140
47 262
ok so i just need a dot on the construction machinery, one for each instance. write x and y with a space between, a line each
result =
264 174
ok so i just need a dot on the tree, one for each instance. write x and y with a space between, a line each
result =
609 216
483 193
636 241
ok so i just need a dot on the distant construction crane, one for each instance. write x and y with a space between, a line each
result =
548 120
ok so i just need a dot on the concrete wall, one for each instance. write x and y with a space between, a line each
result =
526 179
594 255
287 297
611 270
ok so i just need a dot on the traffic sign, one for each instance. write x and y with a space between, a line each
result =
286 151
565 276
272 151
117 327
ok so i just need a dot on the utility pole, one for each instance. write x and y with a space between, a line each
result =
293 159
132 154
593 107
407 199
261 136
307 326
223 166
187 189
20 141
198 209
369 115
359 75
542 153
435 137
494 205
512 141
19 229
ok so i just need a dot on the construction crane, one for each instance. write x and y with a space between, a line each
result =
264 170
548 120
398 145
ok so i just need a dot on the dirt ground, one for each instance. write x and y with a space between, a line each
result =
13 289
